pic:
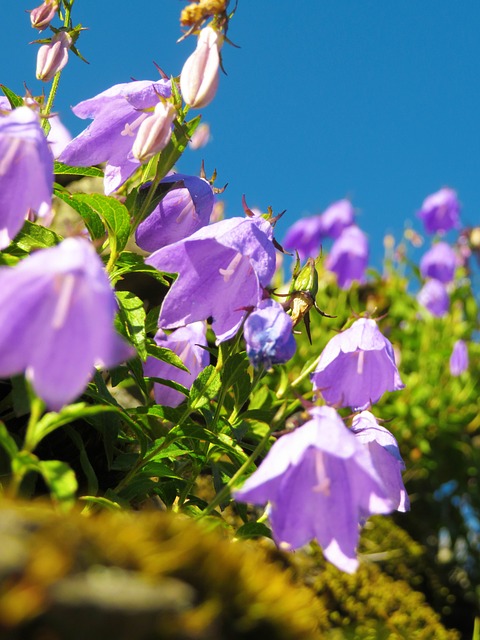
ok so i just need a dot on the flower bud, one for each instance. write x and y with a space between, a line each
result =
41 16
51 58
305 289
268 335
199 77
154 133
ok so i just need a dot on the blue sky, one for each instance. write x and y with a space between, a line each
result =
376 100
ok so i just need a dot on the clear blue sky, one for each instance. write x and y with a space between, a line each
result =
377 100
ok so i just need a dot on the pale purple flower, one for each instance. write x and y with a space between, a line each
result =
154 133
52 57
182 211
356 367
440 211
268 333
439 262
199 76
321 483
305 237
56 320
348 257
434 297
187 343
41 16
337 217
117 114
201 137
459 358
26 171
222 270
385 456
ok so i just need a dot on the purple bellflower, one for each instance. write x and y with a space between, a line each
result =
56 320
439 262
117 114
348 257
321 483
434 297
385 456
459 358
268 333
183 210
440 211
337 217
356 367
186 343
26 171
222 270
305 236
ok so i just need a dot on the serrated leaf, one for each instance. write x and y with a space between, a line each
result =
60 479
129 262
205 387
34 236
61 169
132 315
165 355
113 213
91 219
14 100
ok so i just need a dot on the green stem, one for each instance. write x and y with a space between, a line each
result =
36 410
50 101
300 378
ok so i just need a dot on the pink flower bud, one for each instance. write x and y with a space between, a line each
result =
199 77
154 133
52 57
41 16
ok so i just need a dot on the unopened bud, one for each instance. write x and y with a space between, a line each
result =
41 16
154 133
51 58
199 77
307 279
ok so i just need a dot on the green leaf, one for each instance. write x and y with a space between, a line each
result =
129 262
34 236
61 169
14 100
113 213
132 316
60 479
166 355
91 219
205 387
7 442
234 374
253 530
102 502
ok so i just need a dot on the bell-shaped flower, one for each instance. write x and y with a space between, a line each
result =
154 133
305 236
183 210
337 217
117 114
439 262
199 76
56 320
434 297
348 257
385 457
187 343
41 16
52 57
26 171
222 270
321 484
268 333
440 211
356 367
459 358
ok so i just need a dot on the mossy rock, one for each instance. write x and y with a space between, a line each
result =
141 576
